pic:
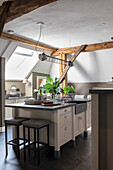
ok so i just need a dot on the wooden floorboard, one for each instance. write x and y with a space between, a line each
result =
78 158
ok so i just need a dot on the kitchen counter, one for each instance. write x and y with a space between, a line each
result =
40 107
21 97
100 90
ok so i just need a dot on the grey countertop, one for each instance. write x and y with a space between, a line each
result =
21 97
41 107
101 90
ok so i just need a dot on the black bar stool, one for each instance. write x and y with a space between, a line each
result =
16 121
36 125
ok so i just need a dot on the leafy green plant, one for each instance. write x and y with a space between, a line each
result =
69 89
51 86
42 91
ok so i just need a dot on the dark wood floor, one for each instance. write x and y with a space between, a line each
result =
78 158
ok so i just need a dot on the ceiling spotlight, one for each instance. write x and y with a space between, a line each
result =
40 23
103 24
10 31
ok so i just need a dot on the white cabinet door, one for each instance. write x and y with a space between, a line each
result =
79 123
65 125
67 133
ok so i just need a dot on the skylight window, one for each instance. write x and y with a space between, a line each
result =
20 63
23 51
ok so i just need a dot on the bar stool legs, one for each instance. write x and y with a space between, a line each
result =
35 142
24 143
38 146
16 142
29 140
18 150
36 131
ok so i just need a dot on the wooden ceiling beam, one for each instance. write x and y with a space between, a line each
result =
89 48
79 50
26 41
3 14
21 7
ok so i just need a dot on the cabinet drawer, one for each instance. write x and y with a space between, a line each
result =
65 110
65 119
65 134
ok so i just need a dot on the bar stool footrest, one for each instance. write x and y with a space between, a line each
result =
14 142
43 146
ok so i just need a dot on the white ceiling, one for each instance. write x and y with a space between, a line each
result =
68 23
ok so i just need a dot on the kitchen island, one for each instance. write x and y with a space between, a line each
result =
64 126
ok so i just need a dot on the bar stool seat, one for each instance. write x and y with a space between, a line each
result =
16 121
35 124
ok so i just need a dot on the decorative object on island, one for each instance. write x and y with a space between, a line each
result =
110 82
69 91
52 87
41 92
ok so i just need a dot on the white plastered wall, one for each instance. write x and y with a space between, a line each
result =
89 67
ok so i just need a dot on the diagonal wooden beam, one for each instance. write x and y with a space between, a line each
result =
26 41
21 7
80 49
3 14
61 69
89 48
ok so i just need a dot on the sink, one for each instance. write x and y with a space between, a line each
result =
74 101
80 107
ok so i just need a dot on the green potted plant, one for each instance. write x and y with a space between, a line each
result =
41 91
52 86
69 91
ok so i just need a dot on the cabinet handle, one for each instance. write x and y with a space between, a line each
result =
80 118
65 128
65 117
65 110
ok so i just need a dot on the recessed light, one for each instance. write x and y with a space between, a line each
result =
10 31
103 24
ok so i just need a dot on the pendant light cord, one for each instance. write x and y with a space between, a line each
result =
40 32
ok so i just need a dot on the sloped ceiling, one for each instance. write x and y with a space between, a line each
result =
20 64
68 23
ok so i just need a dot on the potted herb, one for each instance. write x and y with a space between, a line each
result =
41 92
52 86
69 90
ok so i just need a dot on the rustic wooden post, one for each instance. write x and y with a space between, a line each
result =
62 76
61 70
